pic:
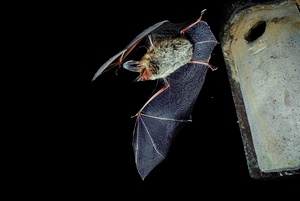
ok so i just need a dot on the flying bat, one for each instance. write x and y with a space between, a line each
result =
177 58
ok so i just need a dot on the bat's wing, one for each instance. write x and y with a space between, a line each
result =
164 116
108 64
122 54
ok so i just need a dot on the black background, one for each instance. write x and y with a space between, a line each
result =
83 148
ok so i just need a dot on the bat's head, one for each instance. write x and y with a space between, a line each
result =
143 67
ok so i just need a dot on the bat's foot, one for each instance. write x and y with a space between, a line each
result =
213 68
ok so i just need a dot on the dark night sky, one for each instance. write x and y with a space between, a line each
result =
89 136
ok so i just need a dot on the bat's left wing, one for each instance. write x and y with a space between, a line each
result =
163 117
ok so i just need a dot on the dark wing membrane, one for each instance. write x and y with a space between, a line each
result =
168 30
200 32
204 41
176 101
165 115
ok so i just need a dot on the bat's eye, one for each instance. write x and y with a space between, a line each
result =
132 65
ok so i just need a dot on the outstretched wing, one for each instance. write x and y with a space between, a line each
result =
122 54
164 116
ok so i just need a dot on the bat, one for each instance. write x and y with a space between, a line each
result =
177 58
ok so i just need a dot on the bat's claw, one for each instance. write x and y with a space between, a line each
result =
202 12
136 115
213 68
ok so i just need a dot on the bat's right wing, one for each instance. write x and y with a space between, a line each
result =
122 54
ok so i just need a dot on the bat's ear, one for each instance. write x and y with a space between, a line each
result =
132 65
